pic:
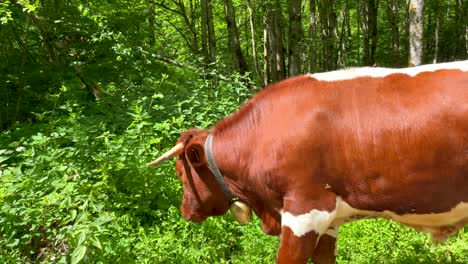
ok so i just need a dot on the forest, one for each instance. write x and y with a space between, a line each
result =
91 91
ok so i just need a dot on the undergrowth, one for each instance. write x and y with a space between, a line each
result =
75 187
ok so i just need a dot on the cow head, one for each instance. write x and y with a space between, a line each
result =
203 196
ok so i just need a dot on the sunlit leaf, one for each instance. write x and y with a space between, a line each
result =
81 238
95 242
78 254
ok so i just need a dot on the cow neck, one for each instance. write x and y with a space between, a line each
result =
214 168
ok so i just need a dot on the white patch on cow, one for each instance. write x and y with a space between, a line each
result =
315 220
440 225
376 72
458 214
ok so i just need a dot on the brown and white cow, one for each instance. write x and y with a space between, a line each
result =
315 151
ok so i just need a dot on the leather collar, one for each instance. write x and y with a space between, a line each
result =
214 168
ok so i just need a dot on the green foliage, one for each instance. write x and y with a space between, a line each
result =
74 184
382 241
75 187
5 13
79 189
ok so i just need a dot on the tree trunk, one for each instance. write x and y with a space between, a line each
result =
327 15
359 27
151 28
211 32
233 36
278 40
436 31
271 29
369 26
193 22
313 37
349 39
254 45
93 88
207 30
365 32
273 19
266 50
344 14
415 12
462 30
392 7
374 7
295 37
204 32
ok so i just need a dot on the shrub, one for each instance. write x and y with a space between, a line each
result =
75 187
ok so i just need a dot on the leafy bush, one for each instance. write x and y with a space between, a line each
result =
75 187
382 241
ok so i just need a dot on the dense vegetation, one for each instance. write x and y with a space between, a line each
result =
93 90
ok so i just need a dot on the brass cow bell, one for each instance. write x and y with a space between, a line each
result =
241 212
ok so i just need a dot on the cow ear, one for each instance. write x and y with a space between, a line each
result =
195 154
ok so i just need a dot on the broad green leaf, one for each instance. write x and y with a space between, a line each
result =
2 158
81 238
73 215
95 242
78 254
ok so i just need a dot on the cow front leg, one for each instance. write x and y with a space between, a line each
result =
303 221
296 249
325 250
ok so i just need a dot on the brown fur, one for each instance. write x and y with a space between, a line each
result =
396 143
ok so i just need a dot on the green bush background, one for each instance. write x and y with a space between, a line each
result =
74 186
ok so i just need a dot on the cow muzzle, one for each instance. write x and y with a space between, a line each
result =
190 214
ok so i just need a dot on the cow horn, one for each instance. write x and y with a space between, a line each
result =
176 150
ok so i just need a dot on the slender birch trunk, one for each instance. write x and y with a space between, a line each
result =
415 16
266 51
436 31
